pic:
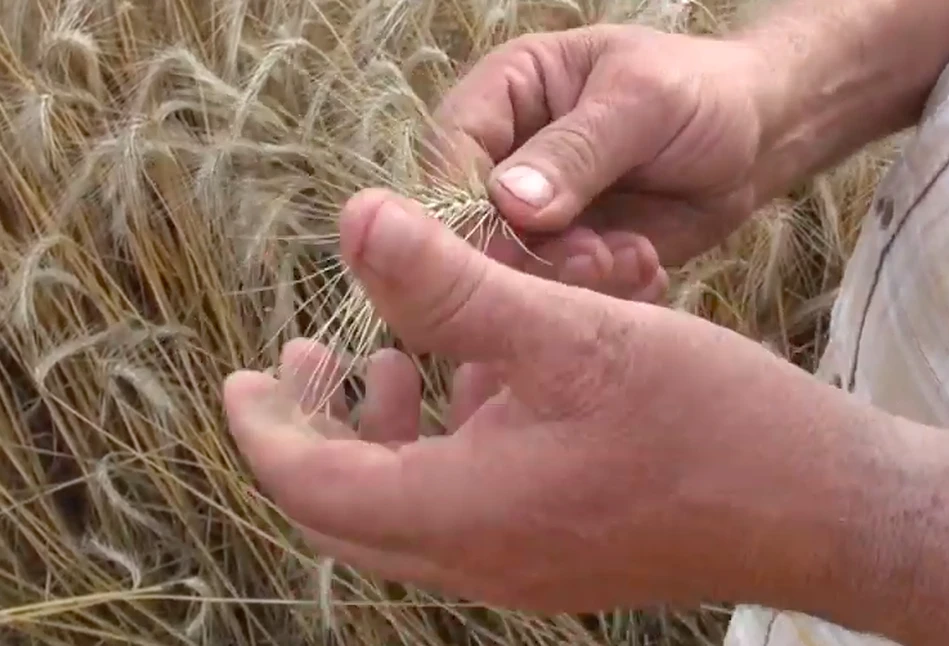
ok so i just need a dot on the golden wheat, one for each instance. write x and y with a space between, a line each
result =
170 177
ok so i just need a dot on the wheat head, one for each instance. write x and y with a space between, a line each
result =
171 173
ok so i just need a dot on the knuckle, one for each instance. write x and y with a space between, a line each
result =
527 65
452 300
582 48
600 335
523 54
576 149
595 359
528 43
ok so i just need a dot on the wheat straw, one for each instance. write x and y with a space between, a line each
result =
171 174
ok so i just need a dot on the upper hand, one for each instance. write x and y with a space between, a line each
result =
604 452
612 129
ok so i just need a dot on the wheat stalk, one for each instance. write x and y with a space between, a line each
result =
171 174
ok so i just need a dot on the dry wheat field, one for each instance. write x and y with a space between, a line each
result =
170 175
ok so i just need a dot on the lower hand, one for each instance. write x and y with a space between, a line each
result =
603 452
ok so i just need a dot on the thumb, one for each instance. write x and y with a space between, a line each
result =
547 182
437 292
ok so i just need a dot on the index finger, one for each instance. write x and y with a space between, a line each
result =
504 99
402 500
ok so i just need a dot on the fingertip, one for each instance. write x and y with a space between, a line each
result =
306 355
355 218
589 261
661 281
664 275
366 201
527 185
389 365
392 407
244 387
527 206
636 259
390 357
580 271
250 404
268 431
649 266
382 232
656 290
298 351
575 257
312 375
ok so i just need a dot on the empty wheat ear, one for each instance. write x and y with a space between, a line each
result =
171 174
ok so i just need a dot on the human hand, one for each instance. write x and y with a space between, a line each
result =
604 453
611 129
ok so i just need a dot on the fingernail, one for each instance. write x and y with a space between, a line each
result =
389 233
253 401
527 185
580 271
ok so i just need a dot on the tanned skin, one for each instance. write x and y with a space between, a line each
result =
604 451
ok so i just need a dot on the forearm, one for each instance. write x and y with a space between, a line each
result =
838 75
862 539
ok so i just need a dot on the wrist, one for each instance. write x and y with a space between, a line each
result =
811 117
826 84
913 566
864 540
